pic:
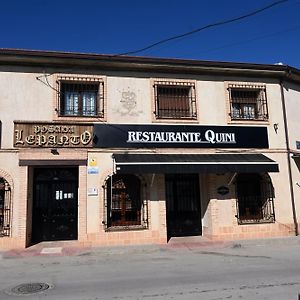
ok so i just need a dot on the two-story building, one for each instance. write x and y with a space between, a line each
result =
113 150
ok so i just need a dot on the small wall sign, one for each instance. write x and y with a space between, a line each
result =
223 190
92 191
92 162
93 170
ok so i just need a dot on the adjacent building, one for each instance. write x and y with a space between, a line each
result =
113 150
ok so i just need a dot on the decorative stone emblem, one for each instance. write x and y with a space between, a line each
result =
128 104
128 100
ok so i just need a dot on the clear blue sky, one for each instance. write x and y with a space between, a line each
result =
118 26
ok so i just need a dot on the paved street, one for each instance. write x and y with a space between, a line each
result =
246 270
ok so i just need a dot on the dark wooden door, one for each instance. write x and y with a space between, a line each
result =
55 201
183 205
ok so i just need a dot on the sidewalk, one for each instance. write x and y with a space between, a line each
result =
73 248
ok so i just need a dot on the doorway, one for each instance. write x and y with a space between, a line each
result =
183 205
55 202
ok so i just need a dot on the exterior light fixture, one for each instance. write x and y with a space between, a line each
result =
54 151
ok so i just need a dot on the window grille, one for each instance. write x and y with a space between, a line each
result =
123 202
248 102
5 208
175 100
82 97
255 199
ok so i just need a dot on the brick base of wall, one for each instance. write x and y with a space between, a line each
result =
252 231
7 243
126 238
143 237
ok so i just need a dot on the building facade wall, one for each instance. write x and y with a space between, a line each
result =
291 95
129 99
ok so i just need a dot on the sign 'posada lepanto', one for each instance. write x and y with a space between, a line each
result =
52 135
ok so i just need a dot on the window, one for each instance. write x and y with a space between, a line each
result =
124 205
255 196
5 208
81 98
175 100
248 102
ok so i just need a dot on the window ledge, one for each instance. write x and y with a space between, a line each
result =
255 222
180 121
256 122
80 118
126 228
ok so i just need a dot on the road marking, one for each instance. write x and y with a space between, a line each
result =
52 250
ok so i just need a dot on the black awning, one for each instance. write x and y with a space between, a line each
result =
194 163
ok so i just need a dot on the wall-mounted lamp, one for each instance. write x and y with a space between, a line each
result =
275 125
54 151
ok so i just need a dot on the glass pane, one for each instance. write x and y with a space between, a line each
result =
236 111
71 103
89 103
249 111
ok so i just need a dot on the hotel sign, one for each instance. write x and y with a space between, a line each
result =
52 135
176 136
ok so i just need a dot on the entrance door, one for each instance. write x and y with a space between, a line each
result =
183 205
55 204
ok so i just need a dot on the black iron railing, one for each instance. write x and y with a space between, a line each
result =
5 208
85 99
255 209
175 100
248 103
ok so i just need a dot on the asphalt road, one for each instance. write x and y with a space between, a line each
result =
268 271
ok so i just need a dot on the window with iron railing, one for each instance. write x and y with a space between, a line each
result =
248 102
5 208
81 98
124 204
175 100
255 199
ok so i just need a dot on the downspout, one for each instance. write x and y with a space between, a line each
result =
289 158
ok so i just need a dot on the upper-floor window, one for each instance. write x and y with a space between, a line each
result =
175 100
248 102
81 97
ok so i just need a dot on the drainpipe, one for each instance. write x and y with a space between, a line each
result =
289 158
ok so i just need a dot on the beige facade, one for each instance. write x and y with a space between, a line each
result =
31 85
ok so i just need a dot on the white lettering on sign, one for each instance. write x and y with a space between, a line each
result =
209 137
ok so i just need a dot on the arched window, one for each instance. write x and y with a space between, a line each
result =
5 208
124 204
255 195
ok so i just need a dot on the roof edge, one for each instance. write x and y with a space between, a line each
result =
90 60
